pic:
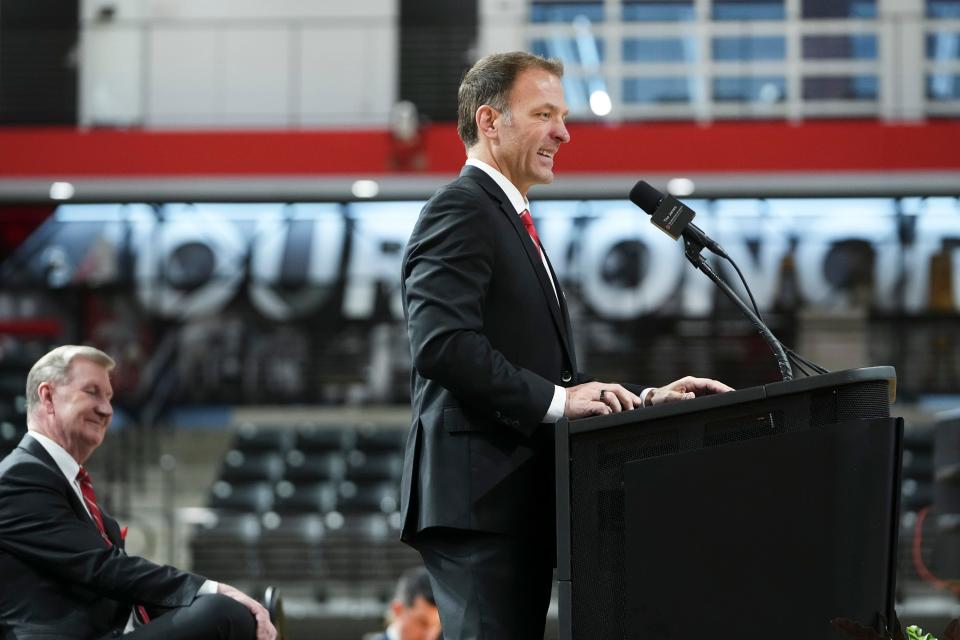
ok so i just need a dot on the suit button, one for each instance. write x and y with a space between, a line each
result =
566 376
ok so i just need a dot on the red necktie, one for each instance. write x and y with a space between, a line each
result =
527 221
90 498
86 488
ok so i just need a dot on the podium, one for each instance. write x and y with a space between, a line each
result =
760 513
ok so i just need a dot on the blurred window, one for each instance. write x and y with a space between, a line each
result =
657 11
943 86
659 50
669 89
839 9
564 48
854 87
853 47
559 11
748 10
943 8
764 89
825 53
749 48
943 46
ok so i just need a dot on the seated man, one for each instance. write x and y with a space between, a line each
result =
413 612
64 570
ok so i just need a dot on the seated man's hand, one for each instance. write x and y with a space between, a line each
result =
598 399
686 388
265 629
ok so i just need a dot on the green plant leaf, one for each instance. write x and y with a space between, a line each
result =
916 633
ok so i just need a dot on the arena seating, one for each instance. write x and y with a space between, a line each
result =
309 505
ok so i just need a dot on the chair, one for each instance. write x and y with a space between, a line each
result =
273 603
319 440
226 548
366 553
314 467
375 498
256 497
290 548
250 437
252 466
379 440
309 497
380 466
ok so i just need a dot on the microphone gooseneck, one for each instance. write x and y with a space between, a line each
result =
674 218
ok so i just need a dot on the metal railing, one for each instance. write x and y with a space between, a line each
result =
286 73
909 71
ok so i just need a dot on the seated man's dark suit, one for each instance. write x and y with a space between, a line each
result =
59 577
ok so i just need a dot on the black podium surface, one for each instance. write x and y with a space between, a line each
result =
759 513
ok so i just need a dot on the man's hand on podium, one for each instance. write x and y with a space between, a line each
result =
686 388
598 399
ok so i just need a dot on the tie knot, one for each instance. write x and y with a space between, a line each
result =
83 476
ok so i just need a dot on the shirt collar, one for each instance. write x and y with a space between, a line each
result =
519 203
68 466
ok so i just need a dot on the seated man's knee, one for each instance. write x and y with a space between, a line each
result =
226 615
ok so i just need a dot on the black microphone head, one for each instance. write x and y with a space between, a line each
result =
645 197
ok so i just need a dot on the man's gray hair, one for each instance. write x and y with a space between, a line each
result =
55 367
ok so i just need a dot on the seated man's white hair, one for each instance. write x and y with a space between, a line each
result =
55 367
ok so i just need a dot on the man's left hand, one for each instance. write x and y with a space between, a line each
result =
686 388
265 629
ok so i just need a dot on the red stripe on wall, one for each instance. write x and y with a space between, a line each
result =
635 147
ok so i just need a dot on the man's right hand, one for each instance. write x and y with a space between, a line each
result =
265 629
598 399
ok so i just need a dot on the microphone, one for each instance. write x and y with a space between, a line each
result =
672 216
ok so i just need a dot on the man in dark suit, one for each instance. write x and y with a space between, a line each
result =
64 570
494 363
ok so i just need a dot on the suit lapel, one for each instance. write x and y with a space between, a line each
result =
37 451
565 314
553 299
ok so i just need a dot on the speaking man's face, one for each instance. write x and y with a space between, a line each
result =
530 133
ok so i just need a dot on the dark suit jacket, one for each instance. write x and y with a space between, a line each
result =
58 578
489 341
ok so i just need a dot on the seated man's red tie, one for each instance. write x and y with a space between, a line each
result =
90 498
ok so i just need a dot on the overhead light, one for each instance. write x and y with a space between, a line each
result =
61 191
680 187
600 103
365 189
